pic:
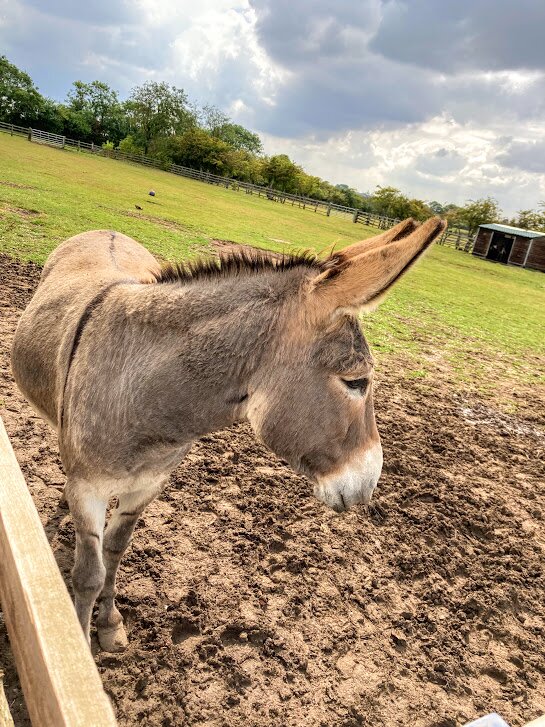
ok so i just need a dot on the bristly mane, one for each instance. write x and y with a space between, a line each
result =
238 262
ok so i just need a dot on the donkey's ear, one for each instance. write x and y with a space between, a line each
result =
398 232
361 281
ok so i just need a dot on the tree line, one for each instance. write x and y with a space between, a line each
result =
160 121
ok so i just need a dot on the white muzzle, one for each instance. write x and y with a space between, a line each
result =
353 484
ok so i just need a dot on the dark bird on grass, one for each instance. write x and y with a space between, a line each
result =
138 207
151 193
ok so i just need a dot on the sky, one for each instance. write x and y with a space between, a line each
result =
444 99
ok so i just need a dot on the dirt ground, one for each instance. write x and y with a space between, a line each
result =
248 603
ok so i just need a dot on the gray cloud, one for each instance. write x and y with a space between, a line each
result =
353 63
358 67
453 35
526 155
299 33
324 100
98 12
59 47
440 163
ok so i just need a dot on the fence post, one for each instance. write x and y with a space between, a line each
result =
355 215
328 213
29 134
63 141
11 130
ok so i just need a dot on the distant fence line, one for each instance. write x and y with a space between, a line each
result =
458 238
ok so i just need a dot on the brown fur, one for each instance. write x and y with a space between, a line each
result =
132 362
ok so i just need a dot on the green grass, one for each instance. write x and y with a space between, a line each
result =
486 320
481 321
68 192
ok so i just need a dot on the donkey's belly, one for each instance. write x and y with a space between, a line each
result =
33 362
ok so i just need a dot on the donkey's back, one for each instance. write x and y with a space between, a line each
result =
75 277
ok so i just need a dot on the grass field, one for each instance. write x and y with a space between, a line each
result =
485 323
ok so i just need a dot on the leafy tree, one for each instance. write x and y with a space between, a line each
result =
158 109
351 198
475 213
212 119
195 148
436 207
128 145
282 174
390 202
97 106
239 138
20 100
76 124
50 118
419 210
531 219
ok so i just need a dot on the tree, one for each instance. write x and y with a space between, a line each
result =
20 100
129 146
476 212
212 119
98 107
436 207
195 148
390 202
281 173
531 219
350 197
158 109
239 138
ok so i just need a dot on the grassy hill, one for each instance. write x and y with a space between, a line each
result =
48 195
483 322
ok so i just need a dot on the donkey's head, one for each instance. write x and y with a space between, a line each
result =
312 401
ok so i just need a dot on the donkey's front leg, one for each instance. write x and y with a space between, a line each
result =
111 632
88 513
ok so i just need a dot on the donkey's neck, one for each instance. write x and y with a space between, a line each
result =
195 348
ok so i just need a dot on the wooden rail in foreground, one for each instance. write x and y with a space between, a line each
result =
5 716
60 681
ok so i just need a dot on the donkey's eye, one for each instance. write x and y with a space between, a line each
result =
357 384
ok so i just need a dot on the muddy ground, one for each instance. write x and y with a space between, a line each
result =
248 603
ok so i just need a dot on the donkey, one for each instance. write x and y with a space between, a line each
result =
131 362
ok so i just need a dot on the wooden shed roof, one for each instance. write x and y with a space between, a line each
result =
512 230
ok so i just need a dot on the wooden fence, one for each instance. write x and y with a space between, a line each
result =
46 137
59 678
453 237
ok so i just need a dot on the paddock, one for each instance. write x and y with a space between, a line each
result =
248 603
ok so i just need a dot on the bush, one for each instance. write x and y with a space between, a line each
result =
128 145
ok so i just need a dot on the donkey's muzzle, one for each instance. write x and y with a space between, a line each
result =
353 484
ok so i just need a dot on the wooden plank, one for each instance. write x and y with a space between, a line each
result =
5 714
59 678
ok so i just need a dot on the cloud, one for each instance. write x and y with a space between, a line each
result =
445 99
454 35
525 155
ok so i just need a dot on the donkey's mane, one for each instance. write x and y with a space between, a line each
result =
237 262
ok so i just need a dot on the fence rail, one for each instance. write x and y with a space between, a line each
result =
46 137
59 678
457 238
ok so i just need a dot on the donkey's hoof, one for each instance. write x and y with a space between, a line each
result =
113 638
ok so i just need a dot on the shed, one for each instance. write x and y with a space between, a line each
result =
511 245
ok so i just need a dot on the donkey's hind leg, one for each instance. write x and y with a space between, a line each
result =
111 632
88 513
